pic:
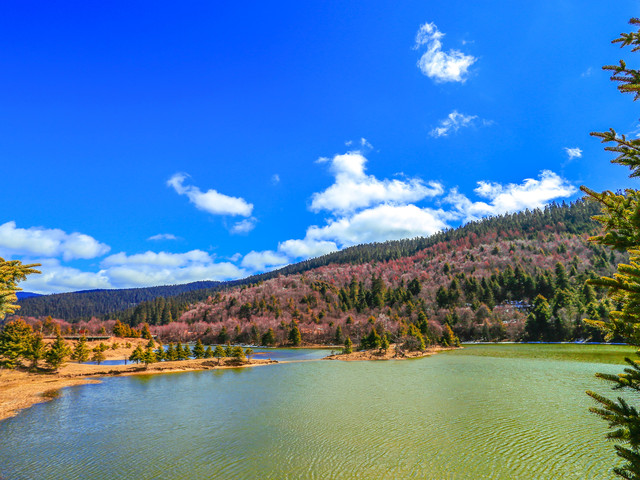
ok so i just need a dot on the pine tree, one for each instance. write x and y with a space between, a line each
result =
338 337
36 351
146 334
198 350
160 353
538 321
294 335
98 355
137 354
171 354
81 350
148 356
15 338
249 353
348 346
621 221
57 353
219 353
269 338
11 273
208 353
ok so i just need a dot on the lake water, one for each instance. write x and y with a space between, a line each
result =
484 412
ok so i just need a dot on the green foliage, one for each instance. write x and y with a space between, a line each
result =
348 346
57 353
237 353
160 353
98 355
621 221
171 354
219 353
15 339
294 335
146 334
11 273
208 353
249 352
36 350
81 350
198 350
148 356
269 338
137 355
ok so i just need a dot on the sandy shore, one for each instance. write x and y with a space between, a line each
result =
390 354
20 389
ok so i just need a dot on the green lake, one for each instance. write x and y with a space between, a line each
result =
483 412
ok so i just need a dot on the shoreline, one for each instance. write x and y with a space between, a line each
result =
20 389
390 354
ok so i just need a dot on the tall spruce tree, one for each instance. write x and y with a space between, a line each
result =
621 221
11 273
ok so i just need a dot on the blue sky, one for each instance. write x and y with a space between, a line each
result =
147 143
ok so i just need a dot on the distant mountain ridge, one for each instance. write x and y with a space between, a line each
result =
23 295
126 304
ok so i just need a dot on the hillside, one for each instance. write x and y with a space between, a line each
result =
481 279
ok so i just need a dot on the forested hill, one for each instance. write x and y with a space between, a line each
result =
567 219
89 303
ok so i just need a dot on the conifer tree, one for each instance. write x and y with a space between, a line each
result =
98 355
15 338
208 353
348 346
137 354
171 353
621 221
538 321
146 334
338 337
219 353
269 338
249 353
160 353
57 352
37 349
238 354
294 335
148 356
81 350
11 273
198 350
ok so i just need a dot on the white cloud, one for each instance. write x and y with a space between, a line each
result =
378 224
531 194
56 278
160 259
573 152
165 268
163 236
244 226
125 276
440 66
354 189
275 179
210 201
265 260
48 242
306 248
454 122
